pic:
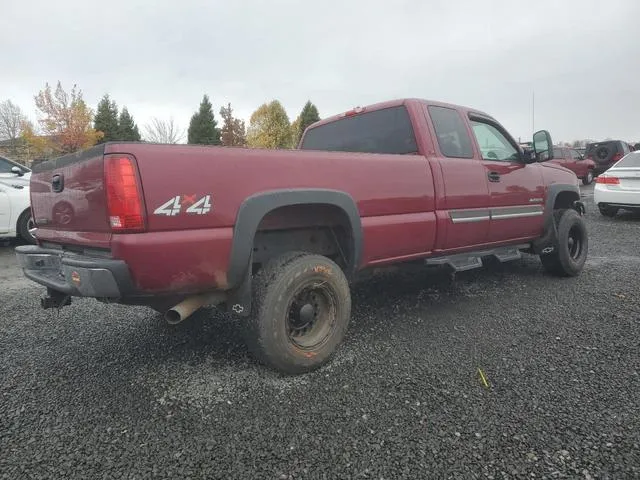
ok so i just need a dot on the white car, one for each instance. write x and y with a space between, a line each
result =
619 187
15 211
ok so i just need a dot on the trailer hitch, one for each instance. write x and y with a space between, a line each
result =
55 299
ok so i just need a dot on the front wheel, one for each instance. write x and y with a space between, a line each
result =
300 312
588 178
26 227
572 245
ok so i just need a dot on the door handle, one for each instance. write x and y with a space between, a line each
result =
57 183
493 176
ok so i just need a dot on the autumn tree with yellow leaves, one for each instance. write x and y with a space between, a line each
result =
65 120
269 127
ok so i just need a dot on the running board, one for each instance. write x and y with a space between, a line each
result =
468 261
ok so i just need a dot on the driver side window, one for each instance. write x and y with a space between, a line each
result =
493 144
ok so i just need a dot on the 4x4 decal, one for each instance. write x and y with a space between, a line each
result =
189 203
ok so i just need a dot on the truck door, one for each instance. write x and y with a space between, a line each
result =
516 188
463 203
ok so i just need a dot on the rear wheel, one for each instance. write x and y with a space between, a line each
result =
608 211
588 178
26 227
572 245
300 312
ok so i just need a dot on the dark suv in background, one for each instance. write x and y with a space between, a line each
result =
606 153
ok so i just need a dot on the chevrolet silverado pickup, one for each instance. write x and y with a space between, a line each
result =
276 236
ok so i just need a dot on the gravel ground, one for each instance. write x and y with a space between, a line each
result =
102 391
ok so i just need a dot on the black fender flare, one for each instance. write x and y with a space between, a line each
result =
255 207
549 236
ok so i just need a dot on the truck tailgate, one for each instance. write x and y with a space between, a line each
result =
68 199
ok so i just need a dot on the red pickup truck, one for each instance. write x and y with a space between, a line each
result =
276 236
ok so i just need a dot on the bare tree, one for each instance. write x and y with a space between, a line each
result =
11 118
163 131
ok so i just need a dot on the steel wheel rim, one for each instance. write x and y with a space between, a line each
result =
574 242
311 315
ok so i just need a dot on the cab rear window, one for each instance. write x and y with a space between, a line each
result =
387 130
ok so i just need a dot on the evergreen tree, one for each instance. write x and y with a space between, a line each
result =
308 116
127 128
106 119
203 127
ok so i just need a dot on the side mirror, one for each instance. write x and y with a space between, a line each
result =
529 155
542 145
17 171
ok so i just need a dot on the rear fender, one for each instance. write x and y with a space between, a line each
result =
249 216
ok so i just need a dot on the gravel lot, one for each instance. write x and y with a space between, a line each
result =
102 391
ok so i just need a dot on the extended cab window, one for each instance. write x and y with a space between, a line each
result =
558 153
387 130
453 138
493 144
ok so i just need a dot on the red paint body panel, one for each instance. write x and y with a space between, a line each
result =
64 237
405 201
519 185
158 267
80 206
414 234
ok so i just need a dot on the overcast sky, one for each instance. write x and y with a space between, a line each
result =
582 58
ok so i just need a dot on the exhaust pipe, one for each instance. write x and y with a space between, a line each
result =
184 309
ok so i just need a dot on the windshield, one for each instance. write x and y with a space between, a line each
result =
7 165
386 130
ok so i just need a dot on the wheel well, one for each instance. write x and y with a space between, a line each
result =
565 200
315 228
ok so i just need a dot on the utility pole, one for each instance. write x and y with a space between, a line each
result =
533 112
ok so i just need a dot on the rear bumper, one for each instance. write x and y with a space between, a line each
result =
602 195
75 275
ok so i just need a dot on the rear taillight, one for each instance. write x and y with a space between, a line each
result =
617 157
124 195
608 180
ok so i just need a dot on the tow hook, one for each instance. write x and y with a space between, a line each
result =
55 299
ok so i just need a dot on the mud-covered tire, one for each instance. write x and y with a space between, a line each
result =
588 178
300 312
608 211
572 245
25 227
